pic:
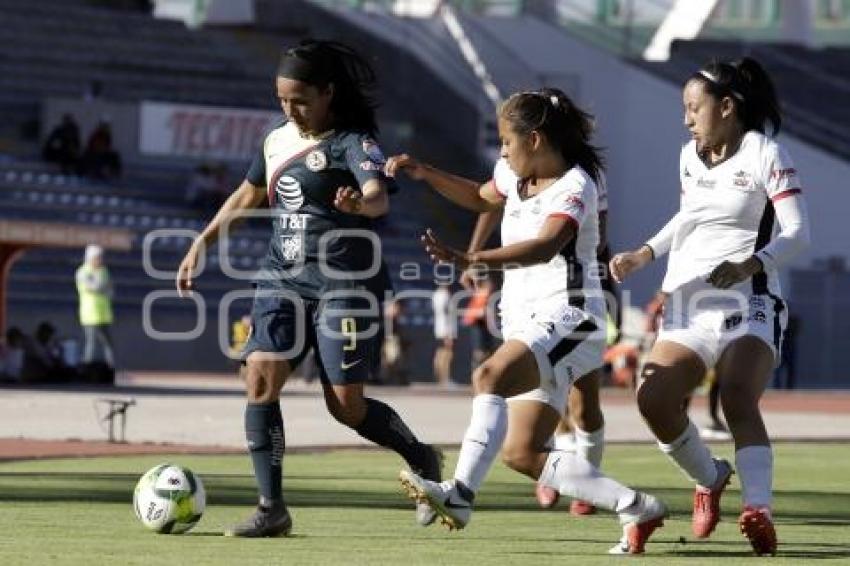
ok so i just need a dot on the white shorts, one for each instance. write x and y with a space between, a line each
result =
567 344
709 331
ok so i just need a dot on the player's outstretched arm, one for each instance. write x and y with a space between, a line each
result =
246 197
460 190
555 234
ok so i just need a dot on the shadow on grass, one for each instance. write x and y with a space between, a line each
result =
792 507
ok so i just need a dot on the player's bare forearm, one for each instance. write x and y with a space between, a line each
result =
484 226
461 191
246 197
521 254
374 202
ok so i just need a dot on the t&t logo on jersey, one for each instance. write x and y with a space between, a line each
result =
779 174
289 193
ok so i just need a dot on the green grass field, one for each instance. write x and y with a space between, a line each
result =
349 509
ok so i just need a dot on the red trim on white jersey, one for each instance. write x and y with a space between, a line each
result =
568 217
786 194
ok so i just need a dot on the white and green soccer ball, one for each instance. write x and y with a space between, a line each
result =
169 499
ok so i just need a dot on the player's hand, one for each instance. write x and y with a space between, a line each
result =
731 273
348 200
442 253
414 168
187 269
468 279
625 263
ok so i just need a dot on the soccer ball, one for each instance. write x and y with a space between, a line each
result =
169 499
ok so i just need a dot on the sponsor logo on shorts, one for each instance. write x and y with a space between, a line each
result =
758 316
344 366
733 321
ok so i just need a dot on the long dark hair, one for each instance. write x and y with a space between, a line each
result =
320 63
749 86
567 127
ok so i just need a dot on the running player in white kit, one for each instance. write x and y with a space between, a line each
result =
545 182
725 307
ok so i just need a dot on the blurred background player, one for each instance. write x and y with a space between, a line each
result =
445 333
320 170
554 338
736 183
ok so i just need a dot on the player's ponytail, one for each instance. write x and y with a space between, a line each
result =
749 86
567 127
320 63
761 104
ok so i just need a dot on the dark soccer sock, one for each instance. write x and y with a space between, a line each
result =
264 432
384 427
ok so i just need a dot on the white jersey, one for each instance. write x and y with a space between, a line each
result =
727 213
571 277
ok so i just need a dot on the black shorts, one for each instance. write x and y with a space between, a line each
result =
344 330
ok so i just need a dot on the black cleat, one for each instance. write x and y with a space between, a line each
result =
273 521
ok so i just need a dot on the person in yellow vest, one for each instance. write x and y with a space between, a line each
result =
95 291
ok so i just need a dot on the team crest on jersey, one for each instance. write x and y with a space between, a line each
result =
742 179
291 246
371 148
288 190
316 160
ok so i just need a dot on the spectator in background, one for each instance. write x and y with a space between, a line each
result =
63 145
475 317
445 332
207 186
786 374
395 345
100 160
12 355
94 287
43 361
239 333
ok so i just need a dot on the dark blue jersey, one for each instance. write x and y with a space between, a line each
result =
316 248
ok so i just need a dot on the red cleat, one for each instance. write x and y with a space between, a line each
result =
637 528
707 501
757 526
546 496
579 507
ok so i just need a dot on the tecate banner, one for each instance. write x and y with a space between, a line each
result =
213 132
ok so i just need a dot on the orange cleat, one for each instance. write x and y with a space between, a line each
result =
580 508
757 526
547 497
707 501
637 527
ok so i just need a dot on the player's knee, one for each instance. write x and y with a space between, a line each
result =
653 402
519 457
347 412
260 381
485 379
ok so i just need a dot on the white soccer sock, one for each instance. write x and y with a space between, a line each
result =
574 476
483 439
692 456
565 442
591 445
755 468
